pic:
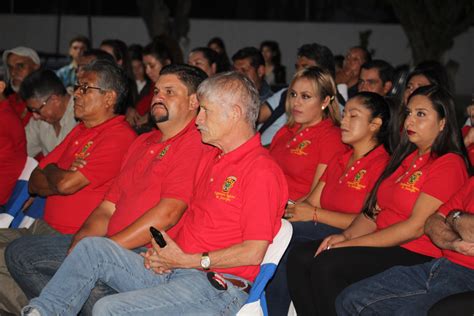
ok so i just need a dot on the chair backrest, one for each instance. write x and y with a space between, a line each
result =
256 303
19 195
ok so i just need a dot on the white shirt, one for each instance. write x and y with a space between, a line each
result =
41 136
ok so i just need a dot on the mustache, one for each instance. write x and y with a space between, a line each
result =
202 128
158 103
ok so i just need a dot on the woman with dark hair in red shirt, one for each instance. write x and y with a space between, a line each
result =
425 170
367 126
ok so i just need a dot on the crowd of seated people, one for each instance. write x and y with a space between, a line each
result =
214 153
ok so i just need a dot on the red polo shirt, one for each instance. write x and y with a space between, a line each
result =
237 196
464 201
299 153
438 177
12 150
106 145
19 106
143 105
345 190
153 170
470 148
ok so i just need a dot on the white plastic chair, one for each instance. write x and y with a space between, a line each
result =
256 303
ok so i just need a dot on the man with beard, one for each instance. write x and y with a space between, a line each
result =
153 188
20 62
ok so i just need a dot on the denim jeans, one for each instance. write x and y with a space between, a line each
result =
141 291
33 260
276 293
405 290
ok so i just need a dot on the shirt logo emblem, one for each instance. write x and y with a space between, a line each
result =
410 184
355 184
225 195
163 152
299 149
83 153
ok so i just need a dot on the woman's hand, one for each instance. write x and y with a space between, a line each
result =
299 212
330 242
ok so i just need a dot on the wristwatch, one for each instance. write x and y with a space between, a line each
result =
453 216
456 216
205 261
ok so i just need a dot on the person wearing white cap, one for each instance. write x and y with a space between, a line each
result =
20 62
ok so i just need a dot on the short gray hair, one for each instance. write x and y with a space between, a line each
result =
110 77
231 88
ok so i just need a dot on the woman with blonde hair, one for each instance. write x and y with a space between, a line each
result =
311 138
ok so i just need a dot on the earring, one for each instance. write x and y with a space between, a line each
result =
322 107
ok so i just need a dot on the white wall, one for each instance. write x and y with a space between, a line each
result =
388 40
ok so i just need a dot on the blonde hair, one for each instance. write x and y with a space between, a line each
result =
324 86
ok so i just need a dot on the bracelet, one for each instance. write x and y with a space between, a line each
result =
315 214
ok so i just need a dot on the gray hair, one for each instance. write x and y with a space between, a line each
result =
230 88
110 77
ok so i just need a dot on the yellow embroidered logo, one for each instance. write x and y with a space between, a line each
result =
163 152
83 153
299 149
410 184
225 192
355 184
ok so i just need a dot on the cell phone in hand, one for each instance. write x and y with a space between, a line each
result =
158 237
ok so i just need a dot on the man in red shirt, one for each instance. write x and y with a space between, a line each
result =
76 174
214 252
153 188
13 147
412 290
20 62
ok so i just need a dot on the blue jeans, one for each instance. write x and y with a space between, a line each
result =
276 293
405 290
141 291
33 260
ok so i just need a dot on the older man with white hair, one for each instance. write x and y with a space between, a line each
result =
212 256
20 62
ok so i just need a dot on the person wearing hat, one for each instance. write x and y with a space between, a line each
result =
20 62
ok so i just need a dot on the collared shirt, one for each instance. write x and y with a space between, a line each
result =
67 74
153 170
464 201
238 196
346 189
103 148
41 136
437 177
12 150
300 152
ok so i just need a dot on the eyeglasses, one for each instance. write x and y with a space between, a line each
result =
84 87
38 110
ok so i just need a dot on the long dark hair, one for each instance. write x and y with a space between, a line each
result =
383 108
449 140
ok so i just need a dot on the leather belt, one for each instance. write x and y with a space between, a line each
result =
244 286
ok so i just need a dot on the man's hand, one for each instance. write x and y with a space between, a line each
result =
79 163
163 260
463 247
